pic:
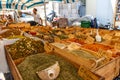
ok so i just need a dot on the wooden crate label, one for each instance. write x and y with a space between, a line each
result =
89 40
107 37
87 74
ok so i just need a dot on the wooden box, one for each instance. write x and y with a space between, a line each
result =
107 71
104 72
15 73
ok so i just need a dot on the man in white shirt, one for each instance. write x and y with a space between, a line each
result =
37 18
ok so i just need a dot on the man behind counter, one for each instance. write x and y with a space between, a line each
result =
37 18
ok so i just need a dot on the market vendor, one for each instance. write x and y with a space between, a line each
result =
10 19
37 18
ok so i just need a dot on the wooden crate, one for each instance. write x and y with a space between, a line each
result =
12 66
76 60
107 71
110 70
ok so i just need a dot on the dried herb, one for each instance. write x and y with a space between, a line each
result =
34 63
10 32
83 54
25 47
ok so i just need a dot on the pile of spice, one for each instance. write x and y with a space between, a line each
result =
96 47
25 47
10 32
77 41
38 62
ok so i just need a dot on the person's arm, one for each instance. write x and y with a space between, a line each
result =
27 13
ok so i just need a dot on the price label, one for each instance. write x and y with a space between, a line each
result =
102 53
89 40
117 46
107 37
87 74
117 34
48 48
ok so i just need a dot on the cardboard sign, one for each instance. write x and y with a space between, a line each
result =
107 37
89 40
88 75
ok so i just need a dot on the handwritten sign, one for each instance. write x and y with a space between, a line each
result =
87 74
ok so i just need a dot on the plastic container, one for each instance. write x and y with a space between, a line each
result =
85 24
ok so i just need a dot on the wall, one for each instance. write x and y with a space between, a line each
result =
102 9
91 7
105 9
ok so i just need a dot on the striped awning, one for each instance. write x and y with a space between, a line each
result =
23 4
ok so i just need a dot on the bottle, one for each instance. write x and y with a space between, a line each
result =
95 23
108 23
98 37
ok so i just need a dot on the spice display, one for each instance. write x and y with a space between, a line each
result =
45 37
63 36
77 41
38 62
83 54
95 47
25 47
10 32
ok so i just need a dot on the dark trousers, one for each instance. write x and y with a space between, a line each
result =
32 23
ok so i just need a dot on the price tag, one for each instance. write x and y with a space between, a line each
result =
107 54
107 37
117 46
101 53
89 40
87 74
71 36
117 34
56 39
48 48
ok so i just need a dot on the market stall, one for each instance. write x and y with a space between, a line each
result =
61 52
